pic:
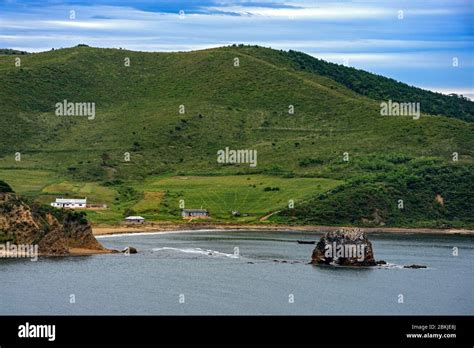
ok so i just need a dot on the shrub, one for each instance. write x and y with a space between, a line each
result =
4 187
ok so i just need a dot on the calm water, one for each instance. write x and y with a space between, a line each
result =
202 267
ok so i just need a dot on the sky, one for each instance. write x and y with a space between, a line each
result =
424 43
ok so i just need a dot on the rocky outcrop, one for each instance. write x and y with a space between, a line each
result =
78 232
129 250
54 242
56 232
415 266
344 247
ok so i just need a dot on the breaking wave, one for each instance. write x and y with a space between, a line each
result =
389 265
198 251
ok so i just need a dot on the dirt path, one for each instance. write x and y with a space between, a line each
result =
266 217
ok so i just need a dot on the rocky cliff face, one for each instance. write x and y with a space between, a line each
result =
56 232
345 247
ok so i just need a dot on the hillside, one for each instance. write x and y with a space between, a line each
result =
382 88
374 86
337 110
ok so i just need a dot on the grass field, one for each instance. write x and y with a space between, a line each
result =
158 198
28 182
251 195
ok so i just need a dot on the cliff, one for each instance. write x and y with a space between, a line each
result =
56 232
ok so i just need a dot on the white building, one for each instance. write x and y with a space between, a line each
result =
69 203
135 219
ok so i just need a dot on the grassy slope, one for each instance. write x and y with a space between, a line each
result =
244 107
250 195
374 86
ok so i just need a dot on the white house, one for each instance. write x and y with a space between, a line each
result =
69 203
135 219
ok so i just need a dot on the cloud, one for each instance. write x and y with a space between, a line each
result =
408 60
467 92
115 24
332 10
329 13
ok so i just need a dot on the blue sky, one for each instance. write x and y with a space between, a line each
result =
418 48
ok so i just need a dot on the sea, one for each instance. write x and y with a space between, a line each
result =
243 273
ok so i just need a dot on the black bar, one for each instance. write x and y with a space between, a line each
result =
229 330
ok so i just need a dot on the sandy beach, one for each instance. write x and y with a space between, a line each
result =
100 230
85 252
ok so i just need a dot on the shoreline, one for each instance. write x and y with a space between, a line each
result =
87 252
101 230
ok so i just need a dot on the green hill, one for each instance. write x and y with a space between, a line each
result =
7 51
383 88
137 112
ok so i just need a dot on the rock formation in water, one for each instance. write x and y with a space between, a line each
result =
344 247
415 266
129 250
56 232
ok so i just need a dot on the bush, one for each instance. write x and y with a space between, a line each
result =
4 187
373 200
311 161
266 189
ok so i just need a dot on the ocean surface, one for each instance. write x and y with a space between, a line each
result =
243 272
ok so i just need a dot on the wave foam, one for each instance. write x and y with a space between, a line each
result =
198 251
391 266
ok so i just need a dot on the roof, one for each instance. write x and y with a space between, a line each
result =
71 200
195 210
134 218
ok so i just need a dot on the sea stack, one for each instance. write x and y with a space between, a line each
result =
344 247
